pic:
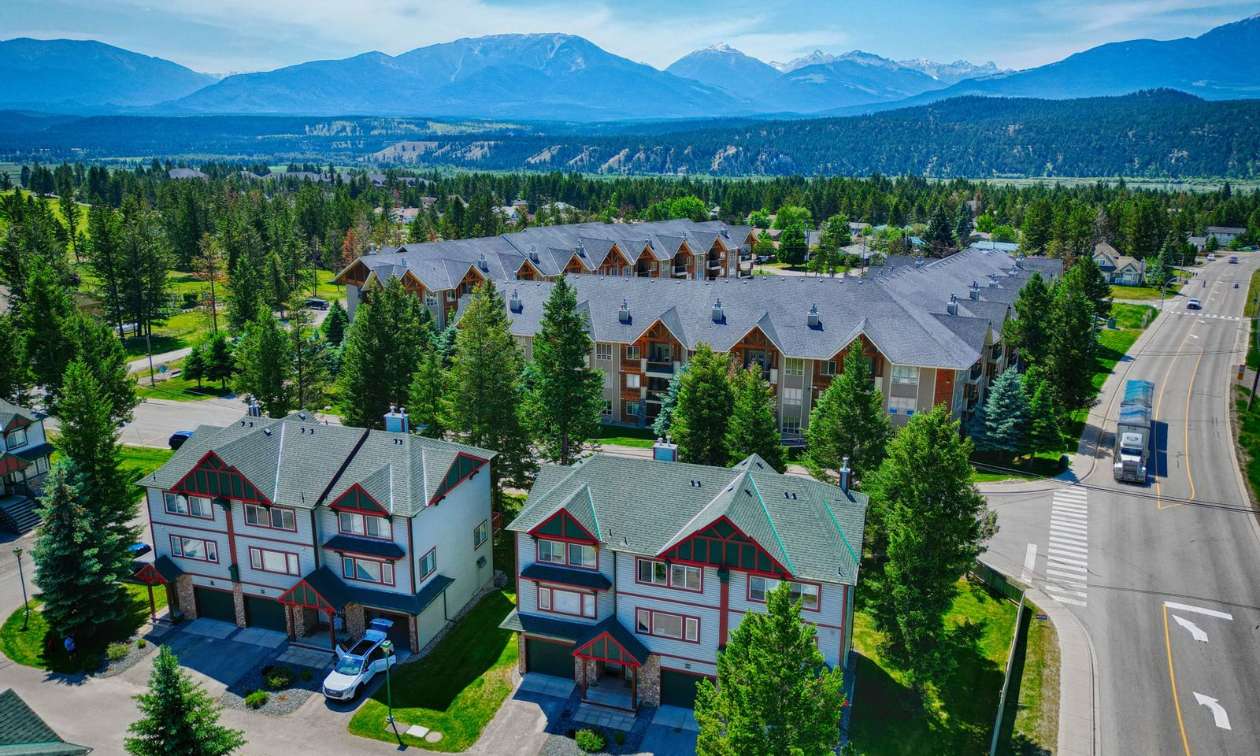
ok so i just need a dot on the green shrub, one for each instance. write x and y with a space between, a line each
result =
141 643
619 737
257 699
306 675
189 300
117 651
590 741
278 678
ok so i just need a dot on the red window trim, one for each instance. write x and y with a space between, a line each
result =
246 505
203 542
486 524
356 558
190 515
287 554
364 534
652 614
539 588
420 561
565 563
669 579
751 600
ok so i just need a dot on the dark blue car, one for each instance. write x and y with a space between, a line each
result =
178 438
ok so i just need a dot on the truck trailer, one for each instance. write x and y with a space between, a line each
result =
1135 433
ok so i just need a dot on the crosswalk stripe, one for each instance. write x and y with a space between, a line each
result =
1068 560
1070 507
1058 589
1066 600
1072 551
1069 537
1069 514
1062 575
1062 496
1070 581
1077 545
1078 527
1071 520
1072 491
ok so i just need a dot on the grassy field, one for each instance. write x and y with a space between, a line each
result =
1248 429
956 719
616 435
139 460
1143 293
1030 725
177 388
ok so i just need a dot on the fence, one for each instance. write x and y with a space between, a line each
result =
1015 592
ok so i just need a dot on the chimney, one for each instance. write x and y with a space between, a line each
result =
918 261
664 450
533 253
725 233
396 420
255 409
952 307
844 475
975 291
371 248
514 304
993 280
718 315
814 320
624 314
482 264
581 249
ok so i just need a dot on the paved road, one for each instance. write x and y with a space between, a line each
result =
1164 577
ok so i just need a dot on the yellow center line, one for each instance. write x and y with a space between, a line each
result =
1172 677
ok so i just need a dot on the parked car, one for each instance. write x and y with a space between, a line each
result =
178 438
1233 259
314 303
1211 258
356 667
1193 304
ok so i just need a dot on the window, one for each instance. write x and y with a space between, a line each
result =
791 426
794 366
579 555
551 552
632 352
901 405
653 573
190 506
632 409
828 367
428 564
905 374
606 410
633 380
270 517
582 555
806 593
560 601
367 570
603 351
793 396
194 548
41 465
16 438
266 560
430 299
480 534
664 625
352 523
683 577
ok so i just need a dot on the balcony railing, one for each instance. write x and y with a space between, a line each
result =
665 368
715 264
680 271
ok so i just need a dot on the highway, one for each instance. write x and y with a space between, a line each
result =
1165 577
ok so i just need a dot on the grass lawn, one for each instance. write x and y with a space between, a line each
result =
1042 465
1249 311
1030 725
1143 293
178 388
617 435
956 719
457 689
140 460
26 646
1248 428
181 330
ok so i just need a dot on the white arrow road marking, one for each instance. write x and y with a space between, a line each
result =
1198 610
1218 712
1196 632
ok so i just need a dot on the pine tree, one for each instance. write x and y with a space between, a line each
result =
1073 345
774 693
940 232
664 423
1005 420
310 374
43 317
77 573
486 392
1029 330
1038 219
428 401
178 717
1044 433
563 406
220 361
95 345
848 421
962 225
195 364
753 429
335 323
264 365
705 403
210 266
381 352
15 371
1092 284
245 294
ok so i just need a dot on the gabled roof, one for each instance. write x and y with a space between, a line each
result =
24 733
10 412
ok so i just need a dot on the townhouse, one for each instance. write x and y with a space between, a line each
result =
632 573
24 460
1117 268
932 330
315 530
442 272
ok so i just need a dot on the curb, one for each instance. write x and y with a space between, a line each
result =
1078 684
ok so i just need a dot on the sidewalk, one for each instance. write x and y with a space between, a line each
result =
141 365
1078 726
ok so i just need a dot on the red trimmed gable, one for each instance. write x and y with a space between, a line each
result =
355 499
10 463
214 477
722 544
561 526
464 467
17 422
148 574
304 595
604 647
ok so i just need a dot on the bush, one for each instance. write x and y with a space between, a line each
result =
117 651
306 675
190 300
278 678
590 741
257 699
141 643
619 737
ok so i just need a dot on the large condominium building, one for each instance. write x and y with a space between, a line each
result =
442 272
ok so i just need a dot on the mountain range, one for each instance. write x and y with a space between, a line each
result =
560 77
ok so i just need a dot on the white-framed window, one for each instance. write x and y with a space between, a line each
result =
653 572
794 396
632 409
367 570
827 367
632 352
560 601
603 351
606 410
551 552
266 560
806 593
370 526
41 465
480 534
905 374
794 366
633 380
666 625
430 299
428 563
190 506
686 577
901 405
194 548
792 426
270 517
16 438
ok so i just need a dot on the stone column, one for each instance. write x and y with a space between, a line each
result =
650 681
356 624
520 653
182 597
289 623
238 598
413 632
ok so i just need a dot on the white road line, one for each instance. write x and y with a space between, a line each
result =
1067 560
1030 563
1066 600
1196 632
1198 610
1068 550
1068 525
1071 519
1081 492
1058 589
1068 537
1072 582
1081 508
1065 575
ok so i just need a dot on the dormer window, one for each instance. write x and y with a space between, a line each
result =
16 438
580 555
367 526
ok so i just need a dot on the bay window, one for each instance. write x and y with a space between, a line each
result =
666 625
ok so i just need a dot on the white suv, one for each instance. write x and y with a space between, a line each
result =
356 667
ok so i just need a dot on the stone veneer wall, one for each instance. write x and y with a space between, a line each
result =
592 670
238 602
520 653
650 681
183 598
356 624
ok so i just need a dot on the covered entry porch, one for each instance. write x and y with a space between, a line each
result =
611 660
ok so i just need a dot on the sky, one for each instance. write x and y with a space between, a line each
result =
230 36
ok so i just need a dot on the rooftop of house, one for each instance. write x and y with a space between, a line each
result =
811 529
24 733
9 411
185 173
300 462
1235 230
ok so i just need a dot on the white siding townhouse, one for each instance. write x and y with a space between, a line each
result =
632 573
315 530
24 460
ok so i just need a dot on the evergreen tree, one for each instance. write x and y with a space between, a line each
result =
1029 330
792 247
1044 433
381 352
774 693
94 344
753 428
486 392
105 262
705 403
264 365
246 290
1036 231
335 323
848 421
664 423
210 266
962 225
1093 284
44 317
428 402
15 371
940 232
930 522
310 372
1161 268
1073 345
563 406
77 573
178 717
146 260
1004 424
195 364
220 361
835 236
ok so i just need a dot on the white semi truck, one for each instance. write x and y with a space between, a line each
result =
1135 433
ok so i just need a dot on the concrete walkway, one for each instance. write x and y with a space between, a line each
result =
1078 706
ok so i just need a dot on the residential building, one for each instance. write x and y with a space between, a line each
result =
1225 234
442 272
24 733
931 329
185 173
24 461
1117 268
632 573
315 530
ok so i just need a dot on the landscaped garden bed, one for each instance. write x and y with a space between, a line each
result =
273 689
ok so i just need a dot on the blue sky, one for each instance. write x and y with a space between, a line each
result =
249 35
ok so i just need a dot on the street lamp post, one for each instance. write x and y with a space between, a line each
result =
26 607
388 647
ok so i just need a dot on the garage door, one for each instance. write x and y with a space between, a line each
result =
265 613
678 688
215 604
546 658
399 633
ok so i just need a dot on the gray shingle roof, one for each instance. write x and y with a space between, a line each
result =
812 529
8 411
23 732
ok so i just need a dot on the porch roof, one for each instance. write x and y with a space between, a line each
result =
548 573
612 630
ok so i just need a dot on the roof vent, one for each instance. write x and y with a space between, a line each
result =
718 315
396 420
371 248
952 307
515 302
624 314
814 320
481 262
725 233
918 261
975 291
255 409
533 253
266 431
993 282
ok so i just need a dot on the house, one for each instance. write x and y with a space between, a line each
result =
1225 234
24 733
24 461
1198 242
441 272
632 573
1117 268
931 329
315 530
186 173
404 216
510 214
